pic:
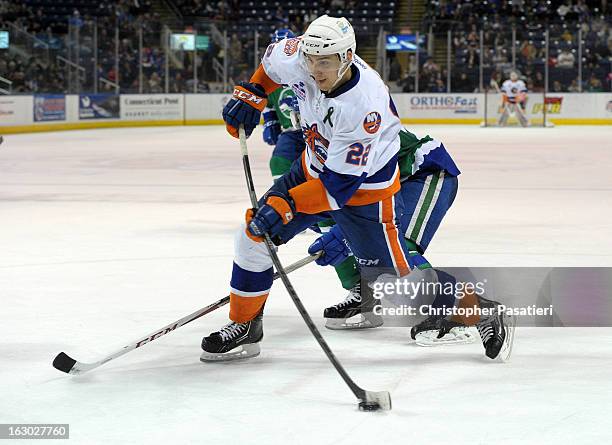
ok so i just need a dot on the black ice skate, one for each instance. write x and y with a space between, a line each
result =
355 312
496 332
437 331
233 341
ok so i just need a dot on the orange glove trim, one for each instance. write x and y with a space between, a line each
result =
232 130
248 217
281 207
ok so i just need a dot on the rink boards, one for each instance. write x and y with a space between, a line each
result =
46 112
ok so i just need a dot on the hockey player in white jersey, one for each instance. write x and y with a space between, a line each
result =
348 172
514 93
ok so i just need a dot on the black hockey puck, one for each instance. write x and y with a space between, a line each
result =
368 406
63 362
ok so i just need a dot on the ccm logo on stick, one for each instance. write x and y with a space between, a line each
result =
156 335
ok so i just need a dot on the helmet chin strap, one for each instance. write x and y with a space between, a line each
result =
341 71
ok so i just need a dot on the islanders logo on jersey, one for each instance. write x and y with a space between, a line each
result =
291 46
372 121
316 142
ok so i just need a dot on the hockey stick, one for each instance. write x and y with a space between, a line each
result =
368 400
67 364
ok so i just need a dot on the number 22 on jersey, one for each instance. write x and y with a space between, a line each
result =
358 155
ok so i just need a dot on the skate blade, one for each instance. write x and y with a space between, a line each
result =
506 350
240 353
456 336
366 320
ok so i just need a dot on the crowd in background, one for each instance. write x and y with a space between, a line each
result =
71 37
49 40
493 21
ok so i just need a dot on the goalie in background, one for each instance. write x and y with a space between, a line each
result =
514 93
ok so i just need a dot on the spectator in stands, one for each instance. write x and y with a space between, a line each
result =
538 82
473 57
280 17
567 37
235 49
395 70
438 87
574 88
154 84
594 84
462 84
177 84
430 68
528 51
557 87
406 83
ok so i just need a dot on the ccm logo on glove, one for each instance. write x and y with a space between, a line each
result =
247 96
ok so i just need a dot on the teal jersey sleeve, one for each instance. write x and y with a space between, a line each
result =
423 155
283 112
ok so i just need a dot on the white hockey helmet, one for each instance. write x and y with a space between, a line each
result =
329 35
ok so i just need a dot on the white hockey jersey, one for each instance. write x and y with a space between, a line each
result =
513 89
351 134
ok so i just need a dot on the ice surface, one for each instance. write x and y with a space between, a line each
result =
109 234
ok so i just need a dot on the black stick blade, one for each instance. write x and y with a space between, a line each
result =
63 362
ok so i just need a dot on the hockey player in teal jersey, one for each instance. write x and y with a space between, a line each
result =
429 184
428 177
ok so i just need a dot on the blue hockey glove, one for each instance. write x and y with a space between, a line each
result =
277 211
272 128
245 107
334 246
